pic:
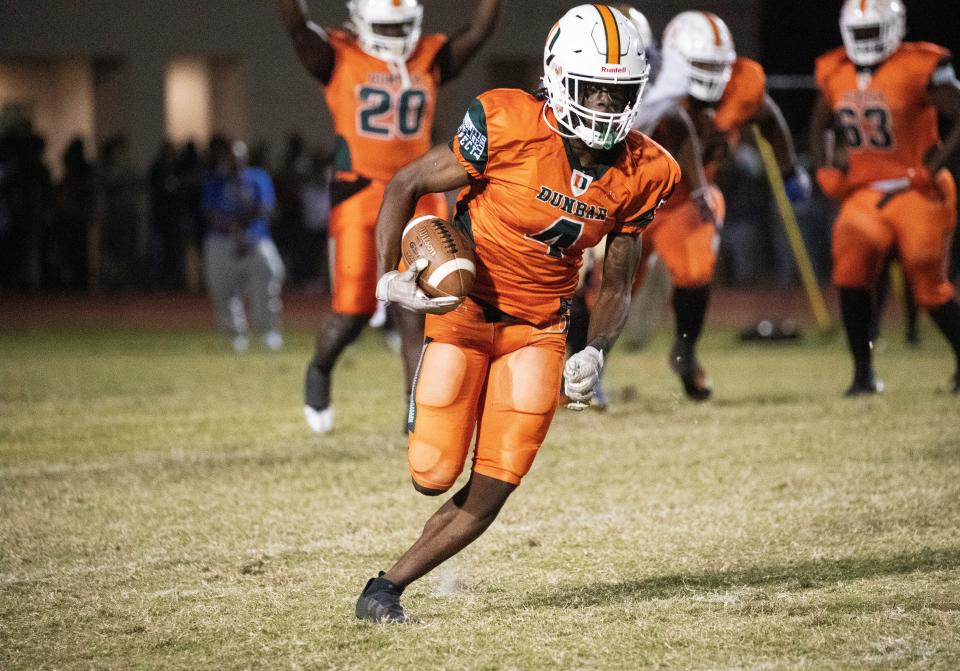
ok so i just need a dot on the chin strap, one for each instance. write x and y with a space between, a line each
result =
399 68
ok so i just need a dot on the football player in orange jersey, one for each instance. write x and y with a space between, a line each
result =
874 134
380 78
703 98
544 177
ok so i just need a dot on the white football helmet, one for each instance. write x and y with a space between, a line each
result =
872 29
704 42
403 16
594 45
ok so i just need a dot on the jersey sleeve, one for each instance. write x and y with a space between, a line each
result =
470 144
744 95
659 177
823 71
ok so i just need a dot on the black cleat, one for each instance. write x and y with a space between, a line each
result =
696 385
380 602
956 382
864 386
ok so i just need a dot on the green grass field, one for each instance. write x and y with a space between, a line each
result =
162 506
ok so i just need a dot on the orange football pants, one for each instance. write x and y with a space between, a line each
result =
687 243
501 380
917 223
353 225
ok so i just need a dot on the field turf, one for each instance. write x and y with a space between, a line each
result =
162 506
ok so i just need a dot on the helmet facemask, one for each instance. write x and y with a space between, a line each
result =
708 79
871 43
567 93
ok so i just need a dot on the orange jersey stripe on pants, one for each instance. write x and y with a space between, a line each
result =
501 378
353 231
918 224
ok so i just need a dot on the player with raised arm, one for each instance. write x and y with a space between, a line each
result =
380 77
703 97
544 177
874 135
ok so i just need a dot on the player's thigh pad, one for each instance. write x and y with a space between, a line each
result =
862 239
447 388
521 398
353 229
687 243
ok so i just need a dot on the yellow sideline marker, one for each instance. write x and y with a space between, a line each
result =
810 284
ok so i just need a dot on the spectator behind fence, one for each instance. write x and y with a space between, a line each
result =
288 224
75 217
315 201
122 243
240 258
25 212
167 246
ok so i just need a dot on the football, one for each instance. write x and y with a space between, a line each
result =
451 269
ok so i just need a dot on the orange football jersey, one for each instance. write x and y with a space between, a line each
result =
381 127
743 96
532 210
885 122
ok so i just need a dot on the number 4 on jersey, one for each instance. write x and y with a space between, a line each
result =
558 236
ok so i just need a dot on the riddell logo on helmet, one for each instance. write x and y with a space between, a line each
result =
616 70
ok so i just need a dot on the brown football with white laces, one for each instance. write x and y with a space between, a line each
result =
451 268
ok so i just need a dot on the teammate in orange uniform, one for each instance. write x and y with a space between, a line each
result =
546 177
380 80
703 97
882 96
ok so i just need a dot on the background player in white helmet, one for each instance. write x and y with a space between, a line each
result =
705 94
567 173
875 138
382 108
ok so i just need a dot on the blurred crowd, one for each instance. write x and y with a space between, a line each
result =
105 227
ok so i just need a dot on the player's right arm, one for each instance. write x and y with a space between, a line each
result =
309 40
676 132
437 171
822 135
581 373
823 145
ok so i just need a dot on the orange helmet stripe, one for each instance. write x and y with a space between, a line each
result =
863 5
717 39
613 34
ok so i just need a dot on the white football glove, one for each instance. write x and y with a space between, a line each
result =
580 375
401 288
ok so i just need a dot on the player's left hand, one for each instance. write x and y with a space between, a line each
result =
798 185
401 287
833 182
580 375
